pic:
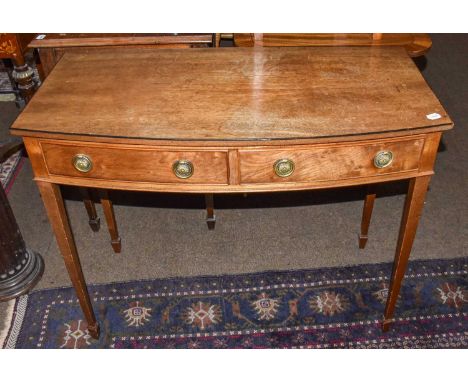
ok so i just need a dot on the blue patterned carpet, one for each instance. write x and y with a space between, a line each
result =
321 308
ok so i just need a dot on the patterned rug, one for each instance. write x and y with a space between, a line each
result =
321 308
9 169
7 93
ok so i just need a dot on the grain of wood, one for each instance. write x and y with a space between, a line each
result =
244 93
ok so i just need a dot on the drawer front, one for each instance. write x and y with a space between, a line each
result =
326 162
136 163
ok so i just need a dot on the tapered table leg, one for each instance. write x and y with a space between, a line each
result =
52 198
210 216
366 216
94 221
108 210
409 223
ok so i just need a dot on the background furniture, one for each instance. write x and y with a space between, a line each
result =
52 46
20 268
416 44
13 46
234 130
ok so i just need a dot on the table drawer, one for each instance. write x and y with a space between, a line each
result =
328 162
136 163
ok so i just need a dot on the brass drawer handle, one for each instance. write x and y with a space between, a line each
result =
183 169
82 163
383 159
283 167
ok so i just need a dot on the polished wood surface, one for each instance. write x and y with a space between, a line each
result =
416 44
233 114
245 94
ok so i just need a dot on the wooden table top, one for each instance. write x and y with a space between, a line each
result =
233 94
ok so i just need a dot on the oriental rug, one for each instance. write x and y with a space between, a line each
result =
10 168
317 308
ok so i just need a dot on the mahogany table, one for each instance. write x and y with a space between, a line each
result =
233 121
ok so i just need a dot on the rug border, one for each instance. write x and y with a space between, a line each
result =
7 322
15 173
13 331
11 322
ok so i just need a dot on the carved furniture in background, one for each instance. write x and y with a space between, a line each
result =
20 268
13 46
233 121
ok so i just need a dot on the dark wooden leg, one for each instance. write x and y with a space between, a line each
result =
23 76
48 60
210 216
94 221
52 198
366 216
110 219
409 223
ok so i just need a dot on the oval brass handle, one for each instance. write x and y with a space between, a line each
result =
283 167
383 159
82 163
183 169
